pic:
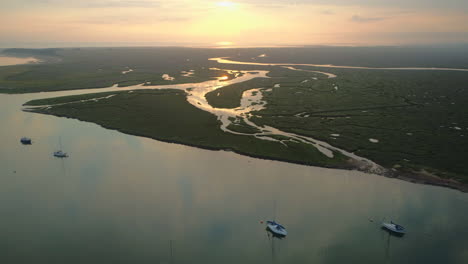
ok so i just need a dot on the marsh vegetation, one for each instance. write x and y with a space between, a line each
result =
410 122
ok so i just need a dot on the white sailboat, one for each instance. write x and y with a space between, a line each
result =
60 153
276 228
394 227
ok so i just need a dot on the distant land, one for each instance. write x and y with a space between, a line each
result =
412 123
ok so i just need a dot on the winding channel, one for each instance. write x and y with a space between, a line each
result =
225 60
251 101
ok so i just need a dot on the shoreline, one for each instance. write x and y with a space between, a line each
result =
352 163
421 177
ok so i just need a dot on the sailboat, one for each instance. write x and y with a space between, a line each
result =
26 141
60 153
393 227
275 228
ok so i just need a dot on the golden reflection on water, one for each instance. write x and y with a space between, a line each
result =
4 61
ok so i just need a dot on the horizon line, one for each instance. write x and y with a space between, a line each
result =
65 45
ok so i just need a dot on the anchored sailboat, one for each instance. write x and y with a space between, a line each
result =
59 153
26 141
393 227
275 228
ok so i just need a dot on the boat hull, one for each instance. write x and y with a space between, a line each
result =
273 228
60 154
393 228
26 141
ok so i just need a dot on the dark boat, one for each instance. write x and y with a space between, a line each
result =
26 141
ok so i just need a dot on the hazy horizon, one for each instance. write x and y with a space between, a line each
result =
59 45
60 23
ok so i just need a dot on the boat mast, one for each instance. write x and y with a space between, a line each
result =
274 210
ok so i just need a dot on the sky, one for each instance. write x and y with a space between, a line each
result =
232 23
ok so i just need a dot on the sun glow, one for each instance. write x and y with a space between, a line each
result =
226 4
254 22
224 43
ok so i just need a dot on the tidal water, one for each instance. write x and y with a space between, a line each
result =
125 199
4 61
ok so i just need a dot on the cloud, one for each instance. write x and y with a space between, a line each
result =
361 19
403 4
82 3
131 20
121 3
458 5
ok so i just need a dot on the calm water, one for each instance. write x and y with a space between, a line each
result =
122 199
4 61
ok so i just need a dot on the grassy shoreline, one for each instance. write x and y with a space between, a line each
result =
210 137
411 122
142 113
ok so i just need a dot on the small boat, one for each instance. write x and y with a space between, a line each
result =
276 229
394 227
26 141
60 154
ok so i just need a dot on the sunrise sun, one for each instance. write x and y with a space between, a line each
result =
226 4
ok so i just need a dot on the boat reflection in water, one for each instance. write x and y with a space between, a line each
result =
390 233
272 236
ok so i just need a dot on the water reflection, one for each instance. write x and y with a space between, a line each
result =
4 61
274 242
121 198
